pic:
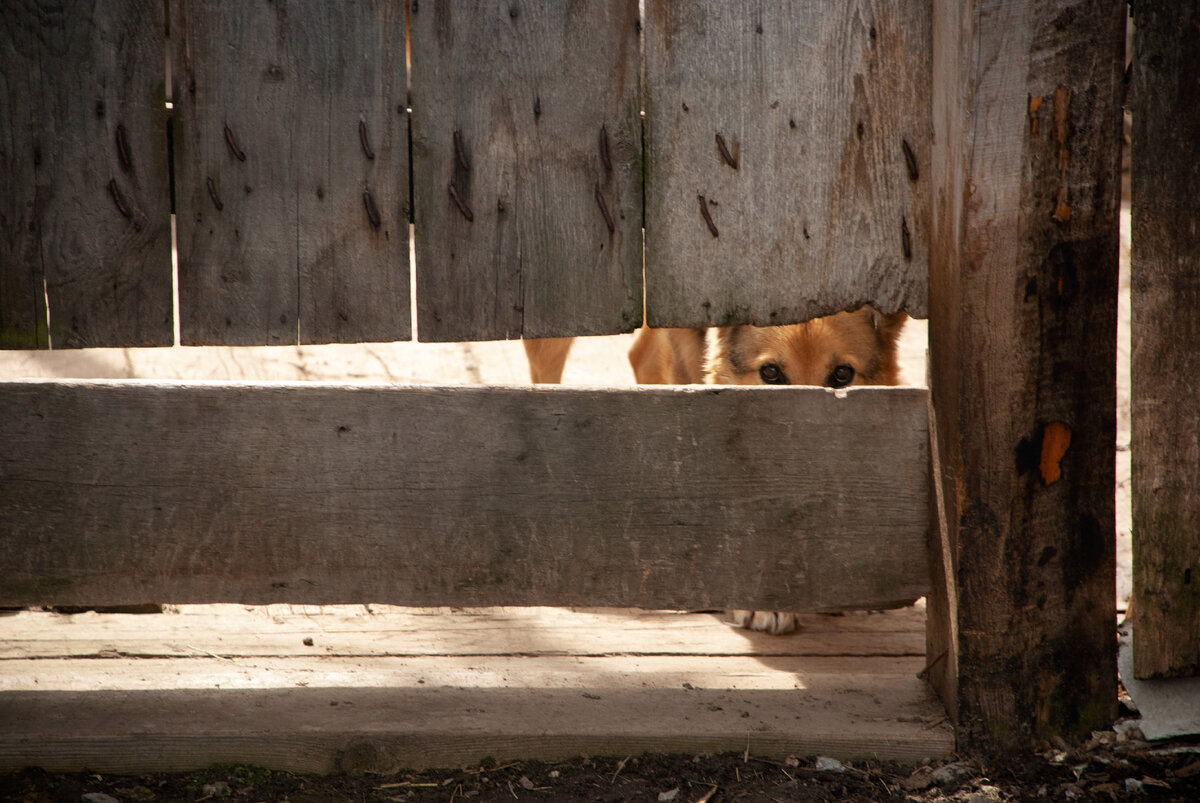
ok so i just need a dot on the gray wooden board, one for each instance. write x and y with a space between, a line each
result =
792 498
84 213
1166 340
291 143
383 630
378 717
1023 294
816 104
514 192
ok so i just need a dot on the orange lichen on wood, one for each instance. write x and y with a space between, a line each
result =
1034 104
1056 439
1062 102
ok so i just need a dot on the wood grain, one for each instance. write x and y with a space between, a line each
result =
815 206
509 683
292 159
782 498
1166 341
1023 288
868 708
348 631
85 213
527 169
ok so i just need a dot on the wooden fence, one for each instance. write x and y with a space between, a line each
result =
767 162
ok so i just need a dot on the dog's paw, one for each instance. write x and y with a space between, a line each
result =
774 622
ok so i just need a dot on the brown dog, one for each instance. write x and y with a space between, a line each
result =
847 348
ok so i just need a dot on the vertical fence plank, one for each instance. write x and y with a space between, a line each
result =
292 159
1166 339
83 166
1023 285
788 159
527 168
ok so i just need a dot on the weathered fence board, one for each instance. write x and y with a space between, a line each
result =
746 497
527 168
84 211
1023 288
291 148
1166 340
787 159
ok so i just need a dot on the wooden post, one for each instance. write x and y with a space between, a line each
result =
1023 283
1166 340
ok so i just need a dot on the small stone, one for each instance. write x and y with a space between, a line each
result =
214 789
829 764
952 774
1134 785
669 795
526 783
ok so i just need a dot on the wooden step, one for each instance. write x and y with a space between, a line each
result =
385 688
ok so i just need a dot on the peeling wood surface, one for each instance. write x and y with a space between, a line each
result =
1166 340
124 492
787 168
527 169
289 707
291 146
1023 290
85 220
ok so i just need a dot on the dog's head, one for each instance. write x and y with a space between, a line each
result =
847 348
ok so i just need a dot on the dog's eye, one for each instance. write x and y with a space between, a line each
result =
772 374
840 377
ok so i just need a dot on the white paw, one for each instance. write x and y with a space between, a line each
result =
774 622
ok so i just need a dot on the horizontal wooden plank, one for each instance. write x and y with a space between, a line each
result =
322 715
383 630
787 159
781 498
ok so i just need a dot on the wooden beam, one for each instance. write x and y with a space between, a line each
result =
530 683
1023 287
787 159
1166 340
777 498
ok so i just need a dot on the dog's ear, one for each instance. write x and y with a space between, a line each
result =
888 327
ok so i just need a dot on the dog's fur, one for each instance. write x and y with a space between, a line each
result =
847 348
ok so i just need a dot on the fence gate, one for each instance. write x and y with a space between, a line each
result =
755 163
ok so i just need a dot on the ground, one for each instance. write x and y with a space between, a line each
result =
1106 768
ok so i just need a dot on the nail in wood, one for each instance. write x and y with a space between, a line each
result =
608 221
708 221
726 156
231 141
460 152
212 193
362 139
462 206
372 210
115 192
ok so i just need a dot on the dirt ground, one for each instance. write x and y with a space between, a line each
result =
1106 768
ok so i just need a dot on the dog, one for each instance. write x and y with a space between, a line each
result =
835 351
